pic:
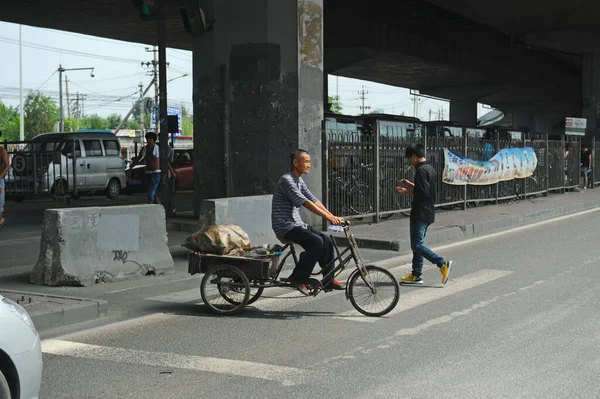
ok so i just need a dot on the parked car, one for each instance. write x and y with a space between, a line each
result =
20 353
183 165
48 165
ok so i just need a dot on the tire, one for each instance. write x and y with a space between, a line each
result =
19 198
255 294
406 214
389 282
239 284
4 388
113 189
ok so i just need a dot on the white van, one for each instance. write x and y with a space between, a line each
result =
48 165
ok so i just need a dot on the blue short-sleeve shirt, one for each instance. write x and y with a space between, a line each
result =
289 195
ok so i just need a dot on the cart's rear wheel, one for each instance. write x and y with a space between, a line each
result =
375 292
255 294
225 289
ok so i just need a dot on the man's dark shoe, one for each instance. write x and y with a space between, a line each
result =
303 288
334 285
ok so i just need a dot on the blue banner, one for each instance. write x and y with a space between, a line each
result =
507 164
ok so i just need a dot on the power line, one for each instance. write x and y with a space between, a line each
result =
46 81
70 52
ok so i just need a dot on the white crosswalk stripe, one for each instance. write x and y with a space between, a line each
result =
282 374
411 297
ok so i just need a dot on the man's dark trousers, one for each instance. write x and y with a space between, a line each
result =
317 247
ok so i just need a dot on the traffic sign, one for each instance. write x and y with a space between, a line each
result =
19 163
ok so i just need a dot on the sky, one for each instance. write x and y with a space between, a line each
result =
118 73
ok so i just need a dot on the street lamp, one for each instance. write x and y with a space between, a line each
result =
178 77
60 72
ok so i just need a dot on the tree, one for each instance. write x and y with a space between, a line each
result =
113 121
9 123
335 105
187 126
70 125
41 113
93 122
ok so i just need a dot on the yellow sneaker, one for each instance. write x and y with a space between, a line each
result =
445 270
410 279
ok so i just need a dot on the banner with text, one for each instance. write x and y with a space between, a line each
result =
508 164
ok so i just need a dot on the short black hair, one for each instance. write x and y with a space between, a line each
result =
415 149
151 135
296 155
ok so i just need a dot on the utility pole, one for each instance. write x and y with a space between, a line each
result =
68 98
363 93
78 112
154 73
21 114
61 70
141 107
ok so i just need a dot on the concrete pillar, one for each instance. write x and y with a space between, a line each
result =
522 120
590 92
464 112
258 95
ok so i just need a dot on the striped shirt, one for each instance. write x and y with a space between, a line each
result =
289 195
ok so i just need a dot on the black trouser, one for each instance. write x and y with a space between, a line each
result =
317 247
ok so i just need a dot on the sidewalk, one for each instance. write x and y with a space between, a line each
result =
393 234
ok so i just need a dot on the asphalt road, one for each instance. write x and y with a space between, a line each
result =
517 319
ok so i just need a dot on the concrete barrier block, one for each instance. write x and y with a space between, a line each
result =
252 214
85 246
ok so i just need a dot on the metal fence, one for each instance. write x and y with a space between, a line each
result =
363 167
41 169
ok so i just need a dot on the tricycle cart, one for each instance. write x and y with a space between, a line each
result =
232 282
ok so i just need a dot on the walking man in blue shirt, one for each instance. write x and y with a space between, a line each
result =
289 195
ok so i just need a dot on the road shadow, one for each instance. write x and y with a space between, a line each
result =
249 312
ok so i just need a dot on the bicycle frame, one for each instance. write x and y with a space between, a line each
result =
343 260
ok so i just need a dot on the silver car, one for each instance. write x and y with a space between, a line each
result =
20 353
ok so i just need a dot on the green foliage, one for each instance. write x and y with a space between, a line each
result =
41 114
335 105
9 123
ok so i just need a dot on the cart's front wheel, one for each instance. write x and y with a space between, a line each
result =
375 292
225 289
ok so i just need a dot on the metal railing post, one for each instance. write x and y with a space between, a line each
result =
465 145
324 171
524 181
74 169
497 140
592 164
376 173
547 164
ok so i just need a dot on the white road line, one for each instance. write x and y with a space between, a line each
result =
282 374
513 230
412 297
